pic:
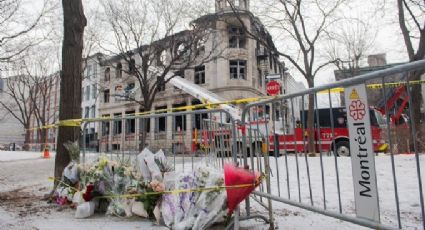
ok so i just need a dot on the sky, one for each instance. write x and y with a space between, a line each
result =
386 40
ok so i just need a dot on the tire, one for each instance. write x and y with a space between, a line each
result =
343 148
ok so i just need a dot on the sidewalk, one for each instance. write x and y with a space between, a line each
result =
21 155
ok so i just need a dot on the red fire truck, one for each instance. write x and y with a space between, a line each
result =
326 139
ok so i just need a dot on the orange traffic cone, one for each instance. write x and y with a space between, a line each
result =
46 153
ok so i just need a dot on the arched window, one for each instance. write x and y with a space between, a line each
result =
108 74
118 72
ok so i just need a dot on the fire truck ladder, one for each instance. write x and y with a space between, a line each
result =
393 96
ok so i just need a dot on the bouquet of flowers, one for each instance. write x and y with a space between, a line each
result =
124 181
194 210
68 184
202 208
137 188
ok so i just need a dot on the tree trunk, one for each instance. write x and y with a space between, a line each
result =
310 124
70 85
416 117
143 131
26 146
310 118
43 139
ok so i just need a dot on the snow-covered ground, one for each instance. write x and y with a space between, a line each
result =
20 155
406 175
24 181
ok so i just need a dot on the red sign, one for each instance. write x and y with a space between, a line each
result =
357 110
273 88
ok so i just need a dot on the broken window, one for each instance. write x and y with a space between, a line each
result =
161 122
93 111
179 121
237 37
87 91
118 71
106 95
105 127
198 117
130 124
237 69
200 75
117 124
108 74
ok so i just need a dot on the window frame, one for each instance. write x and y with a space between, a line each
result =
118 71
199 75
87 93
107 76
238 68
237 34
106 96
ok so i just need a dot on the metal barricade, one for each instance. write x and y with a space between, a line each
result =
185 137
307 166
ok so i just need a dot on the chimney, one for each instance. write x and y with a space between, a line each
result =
376 60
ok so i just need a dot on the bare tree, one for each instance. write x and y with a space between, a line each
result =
17 27
304 25
146 38
349 42
45 80
19 90
411 16
29 92
70 86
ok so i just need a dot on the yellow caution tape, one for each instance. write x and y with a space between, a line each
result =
63 183
205 105
70 123
178 191
175 191
375 86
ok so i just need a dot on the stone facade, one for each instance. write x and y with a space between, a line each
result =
222 76
91 93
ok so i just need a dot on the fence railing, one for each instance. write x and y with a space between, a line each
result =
306 161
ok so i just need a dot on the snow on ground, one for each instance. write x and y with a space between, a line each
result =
20 155
23 182
406 175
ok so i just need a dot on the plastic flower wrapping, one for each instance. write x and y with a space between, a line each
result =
150 188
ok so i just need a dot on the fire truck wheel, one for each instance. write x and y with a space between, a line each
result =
343 148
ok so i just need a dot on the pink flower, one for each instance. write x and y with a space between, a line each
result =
157 186
62 200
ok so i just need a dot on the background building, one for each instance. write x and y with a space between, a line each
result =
11 130
240 73
90 100
375 62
